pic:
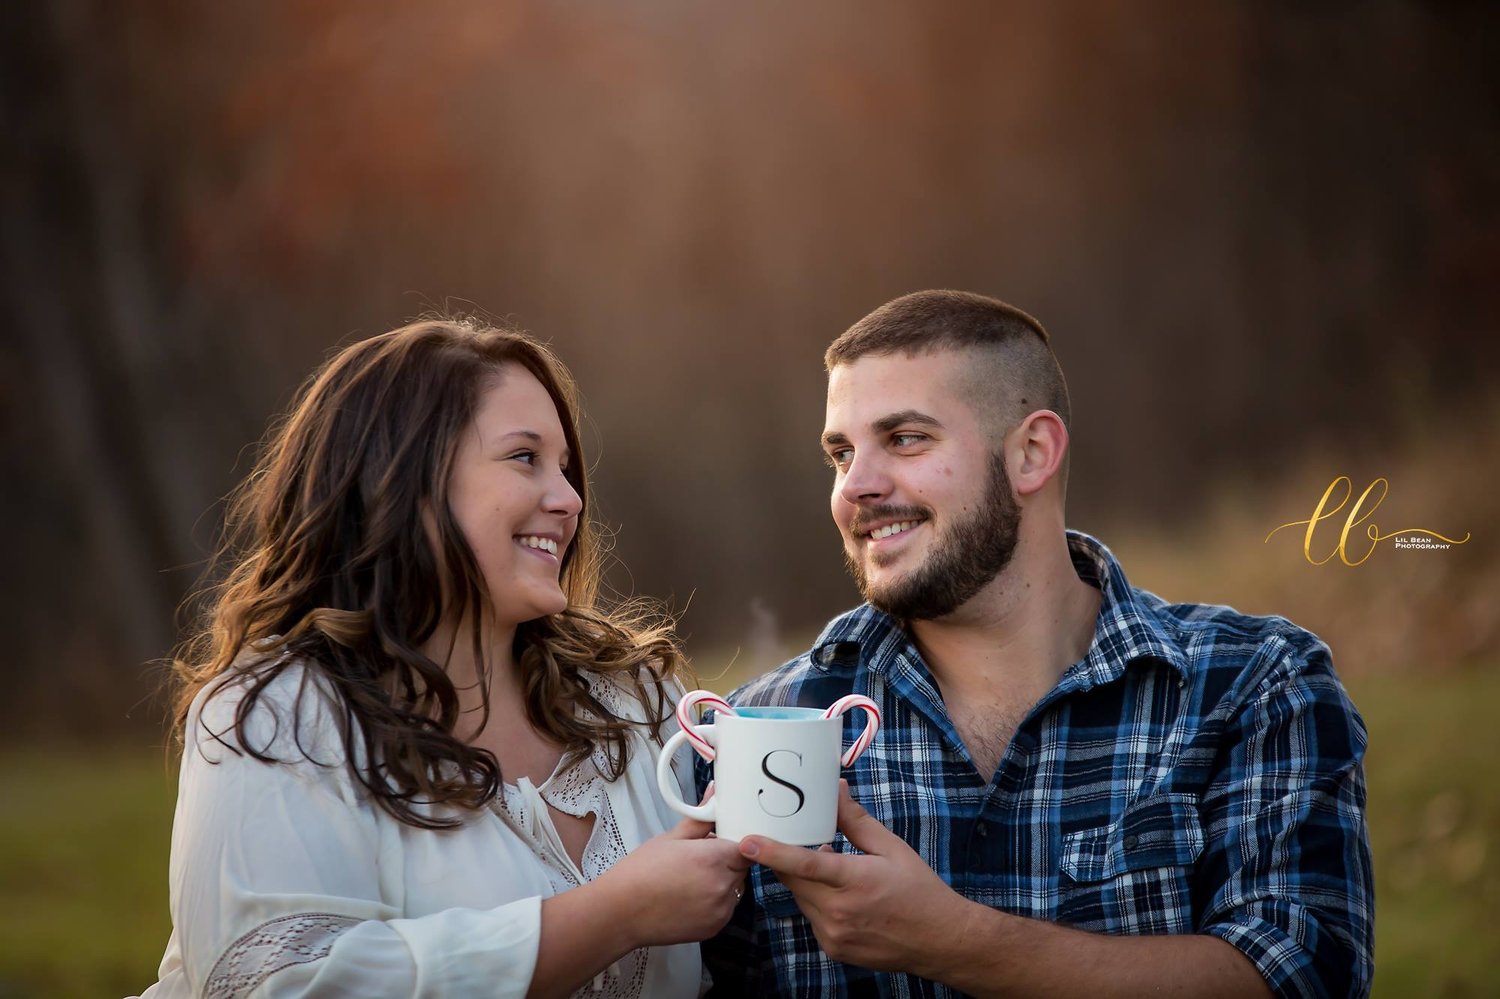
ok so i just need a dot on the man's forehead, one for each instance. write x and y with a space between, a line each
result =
928 372
866 391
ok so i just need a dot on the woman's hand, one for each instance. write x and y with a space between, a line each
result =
681 886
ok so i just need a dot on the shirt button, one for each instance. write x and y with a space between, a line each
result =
981 830
1131 841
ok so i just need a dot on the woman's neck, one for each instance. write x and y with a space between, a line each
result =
490 669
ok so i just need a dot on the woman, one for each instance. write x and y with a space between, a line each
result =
418 757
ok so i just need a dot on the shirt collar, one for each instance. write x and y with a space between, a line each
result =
1128 628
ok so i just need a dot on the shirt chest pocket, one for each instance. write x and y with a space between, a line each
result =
1134 875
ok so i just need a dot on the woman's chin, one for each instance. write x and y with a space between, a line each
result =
536 606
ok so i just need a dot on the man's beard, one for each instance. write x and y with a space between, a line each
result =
963 559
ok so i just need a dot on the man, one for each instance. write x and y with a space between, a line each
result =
1079 789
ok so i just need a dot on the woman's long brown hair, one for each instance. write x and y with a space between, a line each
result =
329 565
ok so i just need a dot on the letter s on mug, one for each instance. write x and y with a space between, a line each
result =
765 768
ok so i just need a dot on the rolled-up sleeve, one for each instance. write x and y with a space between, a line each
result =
1286 877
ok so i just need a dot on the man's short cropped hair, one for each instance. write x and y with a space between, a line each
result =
1019 375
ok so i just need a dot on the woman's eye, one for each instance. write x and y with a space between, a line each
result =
528 457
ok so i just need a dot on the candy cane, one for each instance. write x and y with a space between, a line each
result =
685 718
847 703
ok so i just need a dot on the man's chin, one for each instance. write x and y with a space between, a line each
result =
886 594
884 561
880 584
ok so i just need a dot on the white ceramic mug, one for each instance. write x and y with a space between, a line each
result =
776 769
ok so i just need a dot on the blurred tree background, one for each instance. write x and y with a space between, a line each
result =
1265 238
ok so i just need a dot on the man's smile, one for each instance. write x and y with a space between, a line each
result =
896 529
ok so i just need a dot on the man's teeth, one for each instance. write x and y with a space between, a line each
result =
889 529
545 544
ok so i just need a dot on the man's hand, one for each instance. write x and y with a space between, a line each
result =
885 910
888 911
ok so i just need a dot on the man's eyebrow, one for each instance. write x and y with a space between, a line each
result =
886 424
907 416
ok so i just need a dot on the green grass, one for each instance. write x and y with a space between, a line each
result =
83 871
1434 810
84 845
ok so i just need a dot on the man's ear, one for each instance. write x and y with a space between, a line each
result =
1035 452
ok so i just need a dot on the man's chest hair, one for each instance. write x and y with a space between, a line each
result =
986 728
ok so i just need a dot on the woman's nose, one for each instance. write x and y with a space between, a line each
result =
562 498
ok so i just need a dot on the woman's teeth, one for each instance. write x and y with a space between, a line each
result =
545 544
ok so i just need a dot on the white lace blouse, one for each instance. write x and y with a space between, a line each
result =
286 880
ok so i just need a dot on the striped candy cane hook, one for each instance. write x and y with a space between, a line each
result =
685 717
872 725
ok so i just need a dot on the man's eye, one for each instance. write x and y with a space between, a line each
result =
837 459
907 440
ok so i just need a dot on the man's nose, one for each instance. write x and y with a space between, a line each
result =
866 478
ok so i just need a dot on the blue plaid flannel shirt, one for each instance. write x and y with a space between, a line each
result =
1199 771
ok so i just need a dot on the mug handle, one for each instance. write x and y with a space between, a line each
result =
688 723
872 724
666 780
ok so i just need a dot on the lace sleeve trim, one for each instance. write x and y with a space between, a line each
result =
272 946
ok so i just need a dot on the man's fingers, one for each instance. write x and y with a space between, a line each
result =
860 827
795 861
737 861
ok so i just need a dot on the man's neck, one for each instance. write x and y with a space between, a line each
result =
1020 633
